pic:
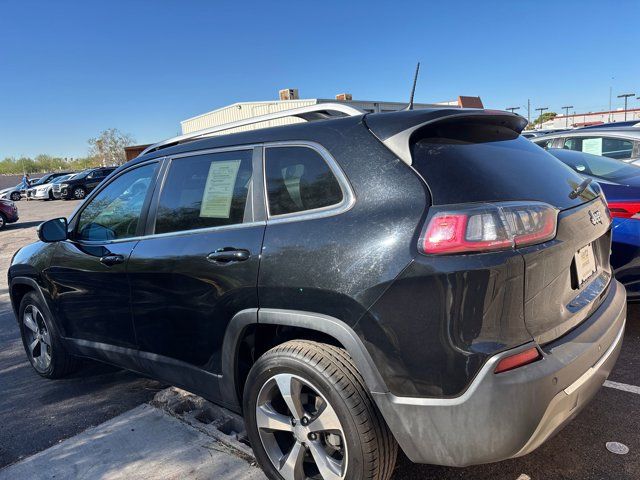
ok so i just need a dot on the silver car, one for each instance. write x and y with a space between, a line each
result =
620 143
45 191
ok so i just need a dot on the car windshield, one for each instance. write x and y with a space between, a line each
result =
40 181
82 174
596 166
63 178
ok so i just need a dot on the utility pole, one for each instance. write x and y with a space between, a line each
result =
512 109
541 109
566 109
528 110
626 97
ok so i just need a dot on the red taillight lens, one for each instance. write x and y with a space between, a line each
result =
488 226
518 360
624 209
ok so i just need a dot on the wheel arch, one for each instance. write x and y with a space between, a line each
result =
303 325
19 287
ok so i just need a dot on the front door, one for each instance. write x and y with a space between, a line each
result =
89 271
199 265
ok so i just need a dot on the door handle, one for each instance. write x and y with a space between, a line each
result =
111 259
228 255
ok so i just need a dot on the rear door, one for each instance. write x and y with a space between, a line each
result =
198 266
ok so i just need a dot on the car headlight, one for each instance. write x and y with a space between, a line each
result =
64 185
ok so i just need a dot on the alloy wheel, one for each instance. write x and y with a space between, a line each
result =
15 196
300 430
37 338
78 193
1 222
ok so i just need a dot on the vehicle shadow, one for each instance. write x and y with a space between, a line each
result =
21 225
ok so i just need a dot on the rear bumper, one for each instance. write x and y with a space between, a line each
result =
512 413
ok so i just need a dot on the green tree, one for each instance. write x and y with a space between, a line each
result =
108 147
545 117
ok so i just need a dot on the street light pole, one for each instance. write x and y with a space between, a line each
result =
512 109
626 97
541 109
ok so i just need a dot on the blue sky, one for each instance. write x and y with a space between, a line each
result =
69 69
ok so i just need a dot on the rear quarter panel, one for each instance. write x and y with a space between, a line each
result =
339 265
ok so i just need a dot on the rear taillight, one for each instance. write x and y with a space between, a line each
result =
518 360
487 226
624 209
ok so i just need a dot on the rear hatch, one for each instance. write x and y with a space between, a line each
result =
483 159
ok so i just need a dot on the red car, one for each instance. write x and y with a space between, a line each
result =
8 213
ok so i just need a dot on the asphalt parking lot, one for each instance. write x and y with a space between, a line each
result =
36 414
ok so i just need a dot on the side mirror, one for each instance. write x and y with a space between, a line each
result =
53 230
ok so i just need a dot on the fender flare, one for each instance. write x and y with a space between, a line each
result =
318 322
33 284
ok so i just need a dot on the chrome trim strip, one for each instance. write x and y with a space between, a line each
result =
311 112
593 370
235 226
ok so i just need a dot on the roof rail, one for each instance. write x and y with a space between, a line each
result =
319 111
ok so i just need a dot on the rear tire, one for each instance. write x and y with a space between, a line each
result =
336 431
3 221
41 341
15 196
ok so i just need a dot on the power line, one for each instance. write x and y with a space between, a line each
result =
566 109
512 109
541 109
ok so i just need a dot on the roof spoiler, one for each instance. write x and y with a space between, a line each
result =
396 129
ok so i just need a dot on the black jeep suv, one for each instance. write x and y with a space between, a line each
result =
428 279
82 183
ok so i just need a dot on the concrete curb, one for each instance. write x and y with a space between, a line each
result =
213 420
144 443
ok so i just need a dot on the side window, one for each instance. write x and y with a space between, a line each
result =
545 143
115 212
611 147
205 191
299 179
617 148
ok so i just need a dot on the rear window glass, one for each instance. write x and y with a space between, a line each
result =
298 179
471 162
205 191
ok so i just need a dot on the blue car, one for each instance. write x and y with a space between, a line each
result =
620 183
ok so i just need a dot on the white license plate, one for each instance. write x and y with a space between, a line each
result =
585 263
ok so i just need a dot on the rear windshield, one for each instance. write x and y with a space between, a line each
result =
466 162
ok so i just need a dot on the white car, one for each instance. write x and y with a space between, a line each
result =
44 191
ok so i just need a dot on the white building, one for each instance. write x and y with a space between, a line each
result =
591 118
289 99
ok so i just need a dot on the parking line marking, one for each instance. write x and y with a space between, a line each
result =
622 386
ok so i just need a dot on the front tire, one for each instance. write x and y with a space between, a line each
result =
3 221
309 414
42 344
79 193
